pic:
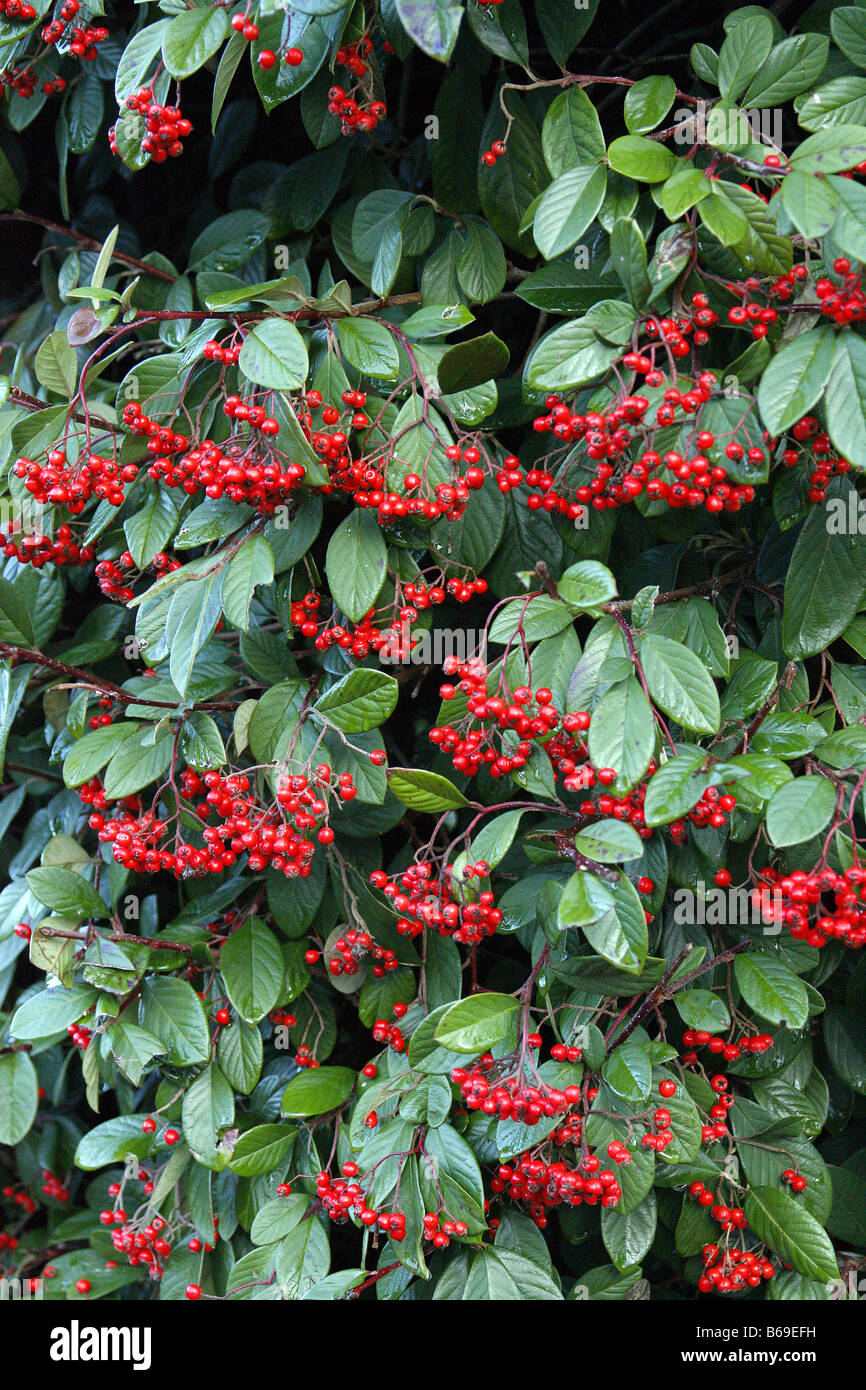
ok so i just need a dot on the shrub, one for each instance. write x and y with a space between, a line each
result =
430 626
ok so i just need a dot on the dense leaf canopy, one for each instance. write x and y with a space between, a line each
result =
432 607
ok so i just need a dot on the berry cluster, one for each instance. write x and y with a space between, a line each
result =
161 439
113 576
38 550
17 9
420 902
80 1036
845 305
344 1197
165 127
680 480
730 1051
230 470
816 907
478 747
826 464
73 484
356 110
389 1034
23 81
492 1087
27 1205
351 949
729 1270
497 149
440 1232
141 1244
215 352
55 29
539 1185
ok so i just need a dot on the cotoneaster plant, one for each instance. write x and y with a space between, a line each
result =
431 707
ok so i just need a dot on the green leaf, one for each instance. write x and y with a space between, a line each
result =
700 1008
171 1010
628 1072
137 761
648 102
587 585
627 1238
56 365
424 791
251 566
585 898
845 1039
471 363
826 580
16 625
190 623
563 26
809 203
567 207
831 150
629 260
239 1053
685 187
152 527
622 734
252 967
771 988
10 189
481 268
680 684
316 1092
208 1108
793 66
356 563
720 216
841 101
639 158
369 347
112 1142
571 134
574 354
229 241
275 355
744 53
508 189
450 1167
475 1024
191 38
493 842
791 1232
261 1150
66 892
504 1275
846 398
303 1259
501 28
848 27
795 379
534 618
49 1012
19 1096
432 24
676 786
360 701
620 935
800 810
609 842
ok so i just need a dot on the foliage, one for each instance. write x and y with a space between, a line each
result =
432 600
